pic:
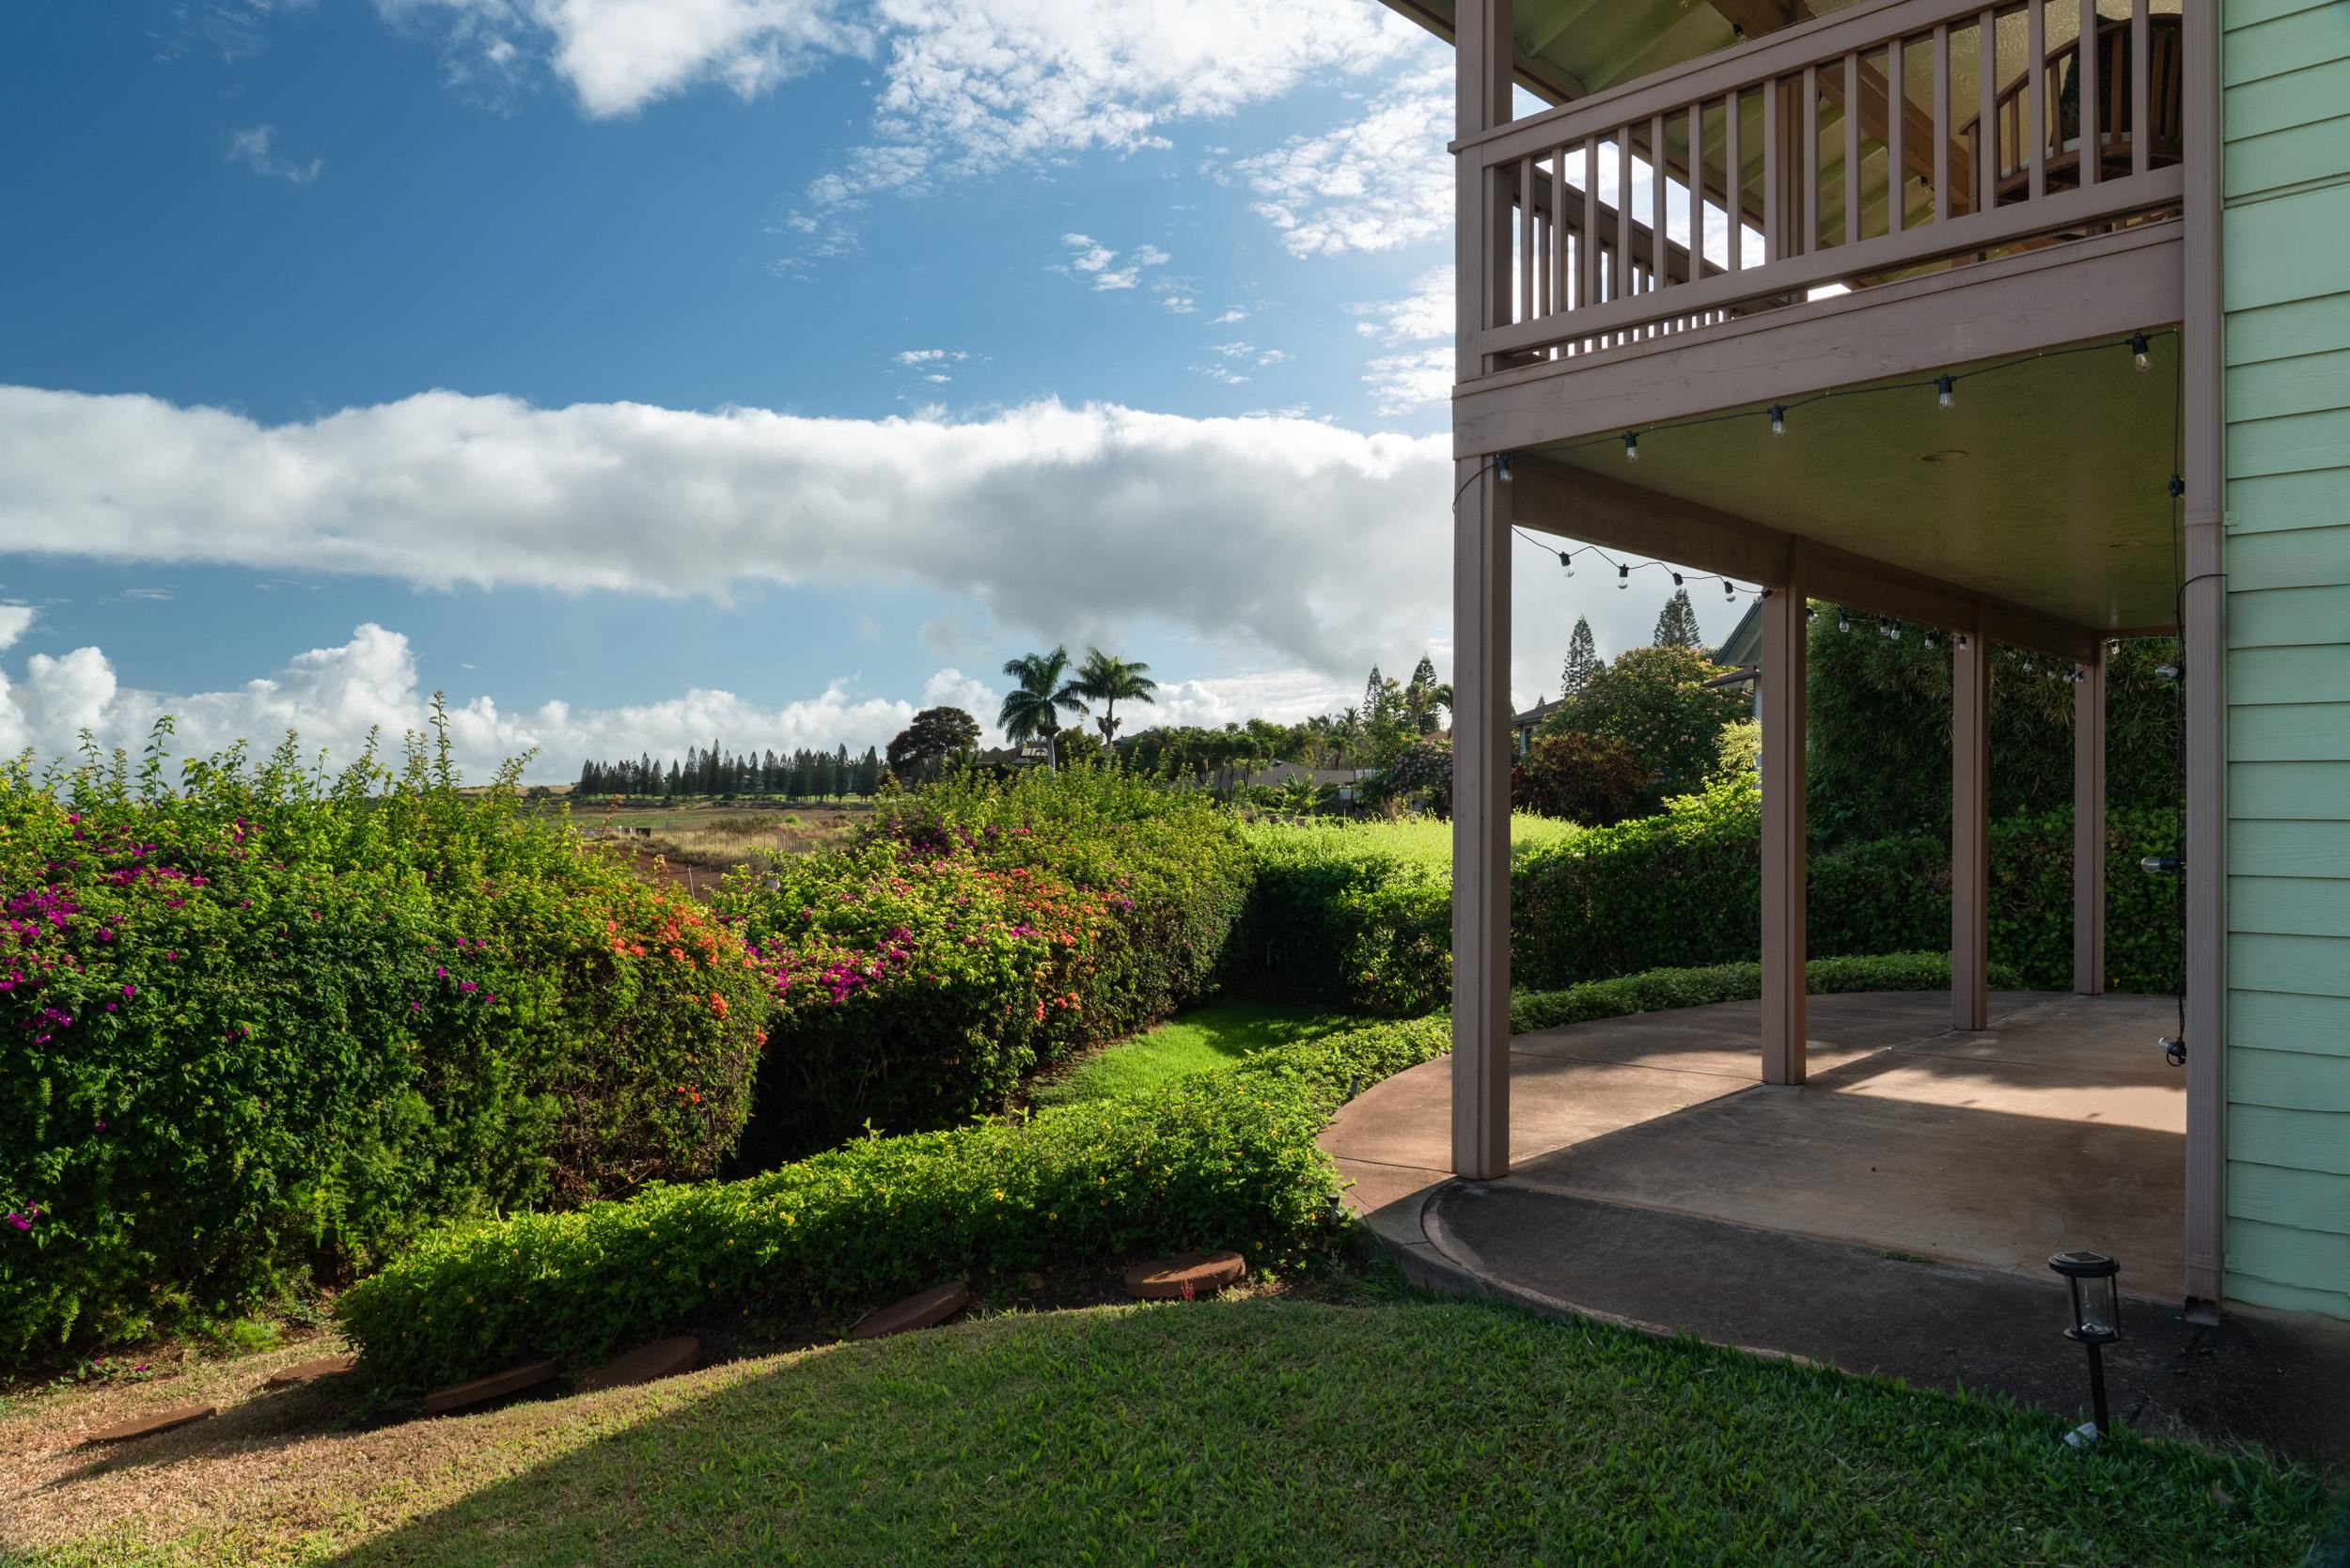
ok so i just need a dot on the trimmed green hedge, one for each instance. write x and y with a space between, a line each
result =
979 930
1223 1158
1337 926
1659 989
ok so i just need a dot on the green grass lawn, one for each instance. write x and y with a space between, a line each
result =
1218 1035
1396 1430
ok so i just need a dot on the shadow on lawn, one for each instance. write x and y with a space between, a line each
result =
1273 1430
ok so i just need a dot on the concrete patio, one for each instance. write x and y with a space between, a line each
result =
1894 1214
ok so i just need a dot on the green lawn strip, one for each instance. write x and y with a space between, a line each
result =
1200 1040
1282 1430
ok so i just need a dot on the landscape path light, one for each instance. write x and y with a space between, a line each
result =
2092 1279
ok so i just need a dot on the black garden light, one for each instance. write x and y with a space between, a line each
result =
2096 1323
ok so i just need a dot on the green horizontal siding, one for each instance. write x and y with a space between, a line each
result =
2302 791
2271 1196
2287 848
2291 1080
2290 731
2287 1021
2285 286
2288 905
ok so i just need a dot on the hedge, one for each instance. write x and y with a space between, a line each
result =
1660 989
1223 1158
979 930
264 1026
1335 924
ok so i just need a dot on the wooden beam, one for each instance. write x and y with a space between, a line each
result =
2089 827
1970 829
1600 508
1785 832
2110 286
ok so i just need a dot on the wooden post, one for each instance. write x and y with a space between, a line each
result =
1480 635
1970 827
2205 632
2089 827
1784 834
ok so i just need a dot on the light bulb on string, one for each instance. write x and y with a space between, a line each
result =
1676 579
1778 418
1810 613
2139 356
1632 445
1945 392
1929 639
1501 468
1567 560
1728 591
1844 621
1624 577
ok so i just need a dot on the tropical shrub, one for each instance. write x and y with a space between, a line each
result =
268 1023
1657 703
1582 778
1420 775
982 930
1223 1158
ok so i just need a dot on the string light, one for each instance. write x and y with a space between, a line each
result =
1778 418
1929 639
1501 468
1632 445
1676 579
1729 592
1844 621
1959 642
1945 391
2138 351
1624 577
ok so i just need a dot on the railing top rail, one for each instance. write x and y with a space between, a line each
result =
1866 24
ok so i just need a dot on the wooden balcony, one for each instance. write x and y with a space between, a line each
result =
1894 186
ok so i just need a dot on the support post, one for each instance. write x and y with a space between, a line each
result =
2089 827
2205 633
1784 833
1970 827
1483 60
1480 826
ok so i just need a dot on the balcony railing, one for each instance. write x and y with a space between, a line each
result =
1739 213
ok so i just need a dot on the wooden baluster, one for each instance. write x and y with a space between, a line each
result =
2092 147
2036 92
1852 148
1774 222
2141 66
1733 182
1697 191
1558 230
1587 243
1622 288
1987 84
1526 240
1896 111
1943 129
1659 248
1810 160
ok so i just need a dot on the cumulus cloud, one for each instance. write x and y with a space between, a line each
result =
617 55
1379 182
1401 382
1296 537
332 697
251 147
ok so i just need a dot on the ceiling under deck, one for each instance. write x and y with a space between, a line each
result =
2060 503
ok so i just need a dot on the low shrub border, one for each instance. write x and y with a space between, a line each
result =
1225 1158
1659 989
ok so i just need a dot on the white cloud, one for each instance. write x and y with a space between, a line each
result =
1382 182
1230 316
1426 314
617 55
1401 382
1310 542
251 147
332 697
1092 258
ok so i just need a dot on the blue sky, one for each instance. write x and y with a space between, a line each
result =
630 369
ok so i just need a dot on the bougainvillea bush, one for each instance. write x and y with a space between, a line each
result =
978 930
268 1022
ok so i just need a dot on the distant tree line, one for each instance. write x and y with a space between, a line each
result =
802 775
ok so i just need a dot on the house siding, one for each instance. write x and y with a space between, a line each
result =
2285 124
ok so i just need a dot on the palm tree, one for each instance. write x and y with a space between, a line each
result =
1108 680
1032 708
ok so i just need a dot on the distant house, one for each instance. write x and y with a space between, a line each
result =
1522 726
1743 653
